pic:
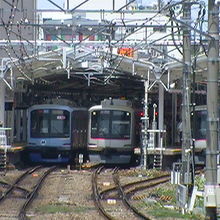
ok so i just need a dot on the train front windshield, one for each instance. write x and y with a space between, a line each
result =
201 124
113 124
50 123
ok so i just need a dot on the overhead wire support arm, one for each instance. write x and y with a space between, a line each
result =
82 3
190 27
10 5
165 12
173 58
56 5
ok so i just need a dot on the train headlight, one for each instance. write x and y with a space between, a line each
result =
92 146
137 150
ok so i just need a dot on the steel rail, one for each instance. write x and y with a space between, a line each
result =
19 179
147 186
125 199
22 213
114 188
104 192
26 191
96 195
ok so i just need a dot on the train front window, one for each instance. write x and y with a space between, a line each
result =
50 123
60 123
201 124
110 124
120 126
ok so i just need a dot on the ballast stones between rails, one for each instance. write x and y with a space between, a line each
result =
124 192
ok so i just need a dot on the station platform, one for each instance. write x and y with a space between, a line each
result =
13 154
168 150
164 151
167 156
12 149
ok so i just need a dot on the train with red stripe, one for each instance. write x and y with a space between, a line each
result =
201 126
200 133
60 133
113 133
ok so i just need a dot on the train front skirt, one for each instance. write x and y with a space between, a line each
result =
111 156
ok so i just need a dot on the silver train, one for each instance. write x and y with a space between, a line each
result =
56 133
200 134
201 126
111 133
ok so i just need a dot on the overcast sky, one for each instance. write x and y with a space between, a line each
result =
94 4
91 4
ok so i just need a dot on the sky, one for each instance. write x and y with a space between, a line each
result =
91 4
94 4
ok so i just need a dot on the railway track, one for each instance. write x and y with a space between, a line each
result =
122 193
96 195
28 184
136 185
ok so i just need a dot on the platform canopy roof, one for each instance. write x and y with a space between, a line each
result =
59 67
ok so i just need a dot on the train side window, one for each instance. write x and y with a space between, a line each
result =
201 124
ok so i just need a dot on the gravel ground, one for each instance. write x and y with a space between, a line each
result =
67 195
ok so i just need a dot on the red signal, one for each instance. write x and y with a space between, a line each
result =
140 114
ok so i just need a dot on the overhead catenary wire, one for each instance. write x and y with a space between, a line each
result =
8 29
169 4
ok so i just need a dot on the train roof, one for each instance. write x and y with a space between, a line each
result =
113 104
55 106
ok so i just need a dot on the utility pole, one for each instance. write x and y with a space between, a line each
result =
186 100
211 186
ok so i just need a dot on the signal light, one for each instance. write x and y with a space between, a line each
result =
140 114
156 113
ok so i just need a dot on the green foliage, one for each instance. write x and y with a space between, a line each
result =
145 173
158 211
161 212
59 208
54 209
200 182
80 209
168 191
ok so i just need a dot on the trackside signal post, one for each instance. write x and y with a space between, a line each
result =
2 101
145 124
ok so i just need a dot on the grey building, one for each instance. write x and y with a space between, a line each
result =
16 23
17 34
